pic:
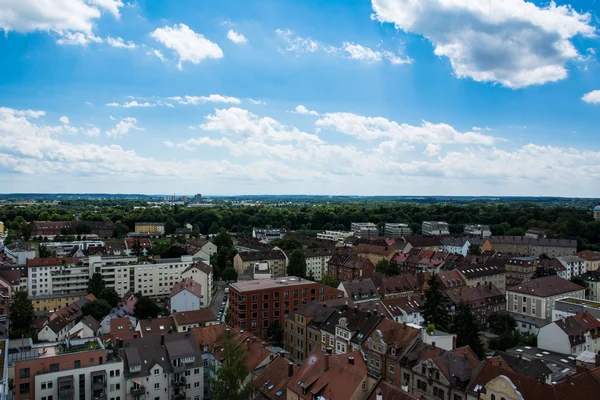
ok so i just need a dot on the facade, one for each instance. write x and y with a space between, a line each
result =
404 309
186 320
186 296
202 273
456 245
520 269
571 335
574 265
88 327
347 267
364 229
474 274
255 305
592 283
360 291
244 263
345 330
49 229
268 234
396 230
482 231
151 228
592 259
531 303
335 236
436 228
316 262
374 253
484 300
201 248
534 247
19 253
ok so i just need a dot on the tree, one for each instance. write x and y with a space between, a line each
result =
223 239
474 249
229 382
275 333
382 265
120 230
44 252
297 264
145 308
21 315
330 280
501 322
229 274
110 295
433 310
96 284
466 328
393 269
98 309
170 227
137 248
287 243
581 282
214 228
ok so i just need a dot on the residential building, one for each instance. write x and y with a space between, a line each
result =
436 228
531 303
316 262
571 335
271 383
72 249
186 320
592 283
450 279
88 327
360 290
364 229
405 309
538 233
482 231
519 269
150 228
549 265
402 285
165 367
592 259
80 368
456 245
425 242
138 244
50 229
156 326
186 296
484 300
534 247
202 273
574 265
396 230
335 236
255 305
347 267
268 234
19 253
474 274
59 323
244 263
115 249
201 248
374 253
345 330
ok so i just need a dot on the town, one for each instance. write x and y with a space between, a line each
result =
92 310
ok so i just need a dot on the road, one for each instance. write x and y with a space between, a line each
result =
218 297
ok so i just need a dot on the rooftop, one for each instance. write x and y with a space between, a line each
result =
52 349
587 303
561 365
194 317
546 286
261 284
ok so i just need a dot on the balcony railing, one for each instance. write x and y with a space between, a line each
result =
138 391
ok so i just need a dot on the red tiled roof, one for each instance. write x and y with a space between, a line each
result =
145 243
194 317
187 284
274 378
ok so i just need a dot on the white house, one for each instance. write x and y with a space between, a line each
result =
86 328
571 335
55 330
186 296
203 274
456 245
116 313
404 309
201 248
574 265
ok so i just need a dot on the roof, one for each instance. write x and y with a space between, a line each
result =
397 335
194 317
475 271
19 247
399 283
589 255
201 266
119 325
273 380
50 262
261 284
145 243
360 323
261 255
198 242
396 305
526 240
389 392
450 278
188 284
529 388
91 323
359 289
208 336
423 241
373 249
545 287
114 246
535 369
455 241
13 277
348 260
575 326
156 326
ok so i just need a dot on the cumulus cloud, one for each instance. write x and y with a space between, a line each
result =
514 43
111 6
158 54
5 111
592 97
189 45
259 102
78 38
65 120
432 150
300 109
130 104
236 37
368 55
371 128
297 43
119 42
92 130
213 98
123 127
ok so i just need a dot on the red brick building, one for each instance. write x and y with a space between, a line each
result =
348 267
255 305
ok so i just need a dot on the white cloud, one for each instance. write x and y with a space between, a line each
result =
92 131
111 117
432 150
514 42
4 111
297 43
123 127
158 54
89 103
78 38
236 37
368 55
130 104
479 129
213 98
259 102
65 120
371 128
300 109
119 42
111 6
592 97
189 45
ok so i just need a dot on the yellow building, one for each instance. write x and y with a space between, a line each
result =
53 303
1 228
150 227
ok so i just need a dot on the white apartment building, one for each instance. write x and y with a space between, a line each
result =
268 234
335 236
478 230
364 229
396 230
574 265
434 228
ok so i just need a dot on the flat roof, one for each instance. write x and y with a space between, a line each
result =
53 349
260 284
587 303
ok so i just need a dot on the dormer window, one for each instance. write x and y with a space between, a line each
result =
393 351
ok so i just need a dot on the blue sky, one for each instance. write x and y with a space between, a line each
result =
452 97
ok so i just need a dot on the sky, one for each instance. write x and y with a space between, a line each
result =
388 97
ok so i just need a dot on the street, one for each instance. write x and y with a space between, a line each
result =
218 297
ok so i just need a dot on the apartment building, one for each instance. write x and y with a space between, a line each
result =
396 230
482 231
186 296
534 247
347 267
374 253
150 228
592 283
244 263
364 229
456 245
74 369
592 259
165 367
574 266
484 300
255 305
19 253
49 229
519 269
475 274
335 236
436 228
316 262
268 234
571 335
345 330
531 303
360 291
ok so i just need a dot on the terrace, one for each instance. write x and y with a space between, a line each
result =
45 350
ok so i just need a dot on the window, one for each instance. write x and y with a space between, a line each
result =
437 392
364 386
118 372
493 397
392 368
77 364
49 384
118 387
188 373
156 371
156 386
196 384
24 388
24 373
43 385
197 371
295 293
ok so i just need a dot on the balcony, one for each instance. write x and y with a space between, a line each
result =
98 380
66 388
179 369
178 396
138 391
178 382
99 395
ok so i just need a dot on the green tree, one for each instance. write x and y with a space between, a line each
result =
120 230
516 232
501 322
229 274
275 333
21 315
287 243
297 264
466 328
110 295
382 265
44 216
214 228
44 252
145 308
96 284
330 280
170 227
474 249
393 269
137 248
223 239
98 309
581 282
229 382
433 310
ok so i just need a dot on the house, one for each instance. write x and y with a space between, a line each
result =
201 273
450 279
55 330
484 300
115 248
399 285
592 259
474 274
186 296
374 253
519 269
116 313
86 328
554 265
456 245
244 263
405 309
359 290
123 329
571 335
154 229
155 326
344 331
201 248
271 383
186 320
347 267
140 245
531 302
592 284
574 265
19 253
425 242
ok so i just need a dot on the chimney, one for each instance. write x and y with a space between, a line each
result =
162 339
351 360
282 354
326 367
290 370
228 332
378 394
